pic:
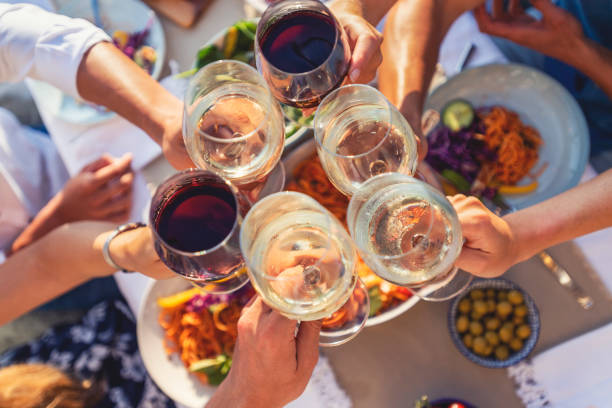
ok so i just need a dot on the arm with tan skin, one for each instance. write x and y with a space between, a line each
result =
67 257
494 244
109 78
557 34
271 365
101 191
413 33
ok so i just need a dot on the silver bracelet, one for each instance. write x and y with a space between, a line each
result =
106 251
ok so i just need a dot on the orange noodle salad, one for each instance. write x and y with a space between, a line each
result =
310 178
201 329
484 151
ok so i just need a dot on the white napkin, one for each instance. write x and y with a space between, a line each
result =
575 374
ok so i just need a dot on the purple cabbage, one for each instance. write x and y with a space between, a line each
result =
202 301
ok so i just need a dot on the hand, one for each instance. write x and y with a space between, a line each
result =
365 42
490 247
558 34
134 251
101 191
173 144
271 365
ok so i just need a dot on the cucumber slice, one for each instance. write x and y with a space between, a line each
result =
457 114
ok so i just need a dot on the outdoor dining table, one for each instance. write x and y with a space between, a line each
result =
393 364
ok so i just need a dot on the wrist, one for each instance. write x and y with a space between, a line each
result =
521 247
127 250
582 55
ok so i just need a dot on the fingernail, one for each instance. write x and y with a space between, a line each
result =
355 74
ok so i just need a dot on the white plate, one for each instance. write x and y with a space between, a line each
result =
169 373
540 102
127 15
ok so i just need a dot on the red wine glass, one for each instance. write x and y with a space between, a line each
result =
301 51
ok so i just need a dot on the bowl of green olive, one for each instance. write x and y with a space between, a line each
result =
494 323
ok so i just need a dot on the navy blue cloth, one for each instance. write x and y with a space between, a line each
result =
102 348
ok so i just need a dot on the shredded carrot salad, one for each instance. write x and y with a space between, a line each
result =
310 178
516 145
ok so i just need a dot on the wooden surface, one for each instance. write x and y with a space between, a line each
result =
393 364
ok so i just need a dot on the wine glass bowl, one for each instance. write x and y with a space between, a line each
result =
232 125
302 51
408 233
195 217
301 261
359 135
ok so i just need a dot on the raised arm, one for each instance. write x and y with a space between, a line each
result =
76 57
67 257
494 244
413 33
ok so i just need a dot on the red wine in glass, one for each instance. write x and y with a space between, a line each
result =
302 52
196 217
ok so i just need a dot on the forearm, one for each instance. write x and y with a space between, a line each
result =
579 211
595 61
46 220
413 33
109 78
372 10
63 259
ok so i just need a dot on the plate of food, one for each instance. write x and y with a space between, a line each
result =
237 42
508 133
134 29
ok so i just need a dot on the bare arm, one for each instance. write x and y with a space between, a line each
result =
494 244
413 33
67 257
109 78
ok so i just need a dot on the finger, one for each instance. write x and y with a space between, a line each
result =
421 147
117 206
518 32
281 324
366 50
114 169
515 8
497 9
96 165
116 190
544 6
307 347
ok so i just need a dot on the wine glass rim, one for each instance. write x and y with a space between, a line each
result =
246 220
195 172
337 32
270 103
330 96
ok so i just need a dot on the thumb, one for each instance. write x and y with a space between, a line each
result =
475 262
96 165
544 6
307 347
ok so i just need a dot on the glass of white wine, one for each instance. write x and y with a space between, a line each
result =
409 234
301 260
359 135
233 126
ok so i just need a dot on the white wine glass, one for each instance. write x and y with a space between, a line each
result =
301 260
233 126
409 234
360 134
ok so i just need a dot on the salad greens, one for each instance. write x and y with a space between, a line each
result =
216 369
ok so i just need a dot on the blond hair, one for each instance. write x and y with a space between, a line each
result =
43 386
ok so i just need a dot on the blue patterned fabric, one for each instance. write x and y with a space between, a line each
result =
102 347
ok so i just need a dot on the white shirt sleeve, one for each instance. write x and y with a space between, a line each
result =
45 46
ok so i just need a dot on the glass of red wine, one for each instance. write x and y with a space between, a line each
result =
195 216
302 51
232 125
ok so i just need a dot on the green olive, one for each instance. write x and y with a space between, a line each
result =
488 350
520 310
490 293
477 294
493 323
465 306
502 295
516 344
506 333
502 352
523 331
517 320
491 306
463 323
480 307
468 340
480 345
515 297
504 309
492 338
475 315
476 328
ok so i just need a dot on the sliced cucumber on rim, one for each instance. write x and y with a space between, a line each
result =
457 114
